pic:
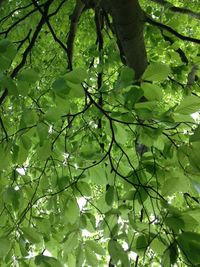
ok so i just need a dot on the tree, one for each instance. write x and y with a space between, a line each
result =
100 136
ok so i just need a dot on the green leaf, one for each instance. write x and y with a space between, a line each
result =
28 75
79 256
5 246
76 90
173 252
117 253
121 133
29 117
178 117
22 246
71 243
90 151
42 130
158 246
91 257
8 49
97 175
5 157
189 244
4 63
156 72
60 87
141 195
44 151
44 225
194 155
113 249
22 154
91 221
109 197
152 92
84 188
174 222
72 211
7 54
148 105
127 75
71 260
196 136
132 96
26 141
4 45
45 261
11 196
188 105
102 205
175 184
165 261
31 235
10 85
190 223
23 88
124 259
62 182
76 76
53 114
95 247
141 243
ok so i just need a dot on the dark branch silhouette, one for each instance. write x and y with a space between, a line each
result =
171 30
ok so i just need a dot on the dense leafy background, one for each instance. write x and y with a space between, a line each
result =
90 175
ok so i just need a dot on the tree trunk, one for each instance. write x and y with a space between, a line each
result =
128 20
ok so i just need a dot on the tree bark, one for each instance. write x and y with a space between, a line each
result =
128 19
1 2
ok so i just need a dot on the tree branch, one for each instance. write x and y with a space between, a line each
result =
49 25
169 29
128 20
32 42
18 21
178 50
28 49
176 9
3 96
99 22
4 129
192 75
75 17
21 42
13 11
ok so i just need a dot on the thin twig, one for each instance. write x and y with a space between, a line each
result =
171 30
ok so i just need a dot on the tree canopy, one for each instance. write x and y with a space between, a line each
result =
99 133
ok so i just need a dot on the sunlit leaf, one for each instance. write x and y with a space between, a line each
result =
91 257
76 76
31 234
94 246
72 211
188 105
156 72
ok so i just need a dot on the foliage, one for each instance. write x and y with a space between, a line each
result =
97 168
